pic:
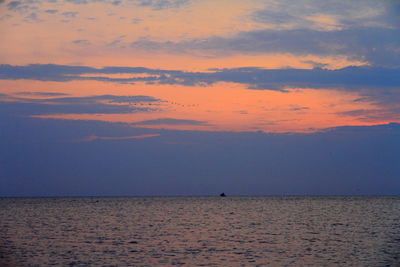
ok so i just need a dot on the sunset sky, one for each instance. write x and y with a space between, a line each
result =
197 97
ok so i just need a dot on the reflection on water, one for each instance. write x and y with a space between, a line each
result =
200 231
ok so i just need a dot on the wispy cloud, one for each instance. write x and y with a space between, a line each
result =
136 20
51 11
70 14
387 113
118 138
162 4
81 42
102 104
41 94
33 17
170 121
51 72
25 6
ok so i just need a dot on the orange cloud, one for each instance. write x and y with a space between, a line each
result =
233 107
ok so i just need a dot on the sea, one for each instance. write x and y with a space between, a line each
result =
200 231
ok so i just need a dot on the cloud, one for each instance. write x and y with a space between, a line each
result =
129 99
136 20
366 31
14 5
170 121
80 2
51 72
162 4
349 78
325 16
51 11
32 18
102 104
376 85
316 65
115 42
118 138
110 98
81 42
70 14
41 108
42 93
374 45
386 113
23 6
297 108
388 128
5 17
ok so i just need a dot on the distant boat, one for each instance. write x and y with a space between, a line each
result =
222 195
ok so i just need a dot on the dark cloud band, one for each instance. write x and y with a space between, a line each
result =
350 78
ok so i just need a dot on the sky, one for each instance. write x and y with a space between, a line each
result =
199 97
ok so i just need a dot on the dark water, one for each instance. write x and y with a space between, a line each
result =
201 231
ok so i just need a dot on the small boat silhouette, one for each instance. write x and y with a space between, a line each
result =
222 195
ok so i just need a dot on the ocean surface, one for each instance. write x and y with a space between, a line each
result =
200 231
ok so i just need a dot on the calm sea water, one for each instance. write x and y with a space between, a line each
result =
200 231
